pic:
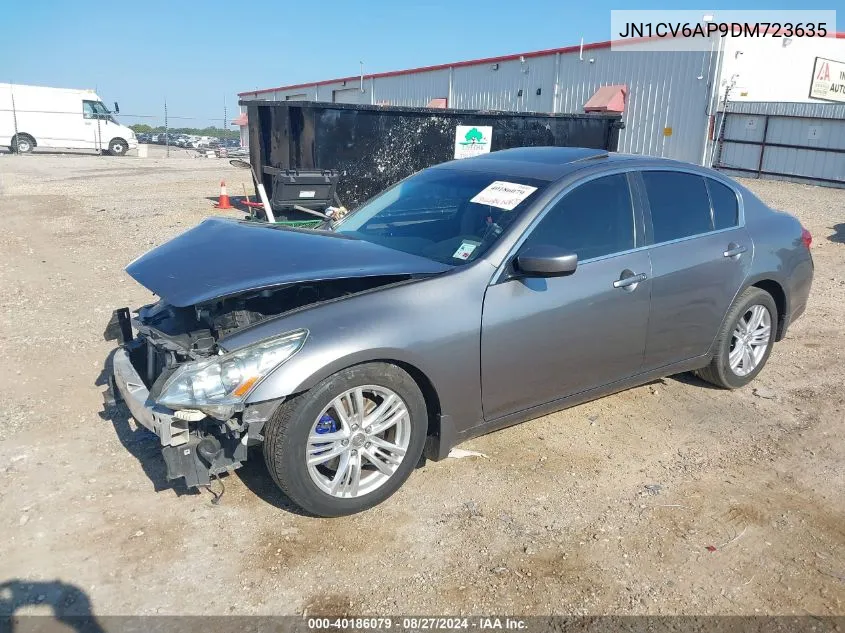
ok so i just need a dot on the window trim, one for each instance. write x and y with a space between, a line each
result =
707 181
694 172
640 242
95 115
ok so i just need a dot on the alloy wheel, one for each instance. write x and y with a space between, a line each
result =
750 340
358 441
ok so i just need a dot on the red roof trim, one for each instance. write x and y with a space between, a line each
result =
423 69
469 62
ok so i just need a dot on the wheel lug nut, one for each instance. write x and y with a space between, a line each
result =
367 445
345 442
368 429
354 427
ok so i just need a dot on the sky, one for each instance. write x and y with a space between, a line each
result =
198 54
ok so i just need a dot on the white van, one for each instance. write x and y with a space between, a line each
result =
59 118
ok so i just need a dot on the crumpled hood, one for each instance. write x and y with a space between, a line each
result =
222 257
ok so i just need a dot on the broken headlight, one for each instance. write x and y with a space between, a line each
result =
219 386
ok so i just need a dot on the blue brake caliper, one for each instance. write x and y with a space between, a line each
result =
327 424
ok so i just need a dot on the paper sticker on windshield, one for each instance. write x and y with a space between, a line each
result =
465 250
504 195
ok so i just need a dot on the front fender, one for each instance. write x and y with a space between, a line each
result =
309 367
433 325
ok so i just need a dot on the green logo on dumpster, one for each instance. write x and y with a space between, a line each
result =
474 137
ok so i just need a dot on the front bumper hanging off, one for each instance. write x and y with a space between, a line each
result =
187 451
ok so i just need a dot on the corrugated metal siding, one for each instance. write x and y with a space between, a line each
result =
805 162
811 162
349 95
820 133
743 128
816 135
482 88
411 90
665 90
780 108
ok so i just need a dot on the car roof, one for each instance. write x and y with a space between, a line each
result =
547 163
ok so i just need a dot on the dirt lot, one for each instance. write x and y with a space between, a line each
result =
608 507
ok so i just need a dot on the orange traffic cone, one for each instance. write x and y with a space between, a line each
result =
223 202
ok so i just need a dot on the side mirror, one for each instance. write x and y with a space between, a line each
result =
545 261
116 108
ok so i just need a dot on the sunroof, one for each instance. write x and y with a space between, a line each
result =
547 155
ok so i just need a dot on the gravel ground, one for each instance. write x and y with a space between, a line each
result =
608 507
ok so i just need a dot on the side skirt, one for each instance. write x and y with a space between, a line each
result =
579 398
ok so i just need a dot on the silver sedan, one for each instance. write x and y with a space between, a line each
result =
471 296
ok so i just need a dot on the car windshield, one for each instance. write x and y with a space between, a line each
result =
451 216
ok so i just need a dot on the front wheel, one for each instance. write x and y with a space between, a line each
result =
348 443
744 342
22 144
118 147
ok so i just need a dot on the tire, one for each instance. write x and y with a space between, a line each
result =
118 147
287 448
22 144
720 371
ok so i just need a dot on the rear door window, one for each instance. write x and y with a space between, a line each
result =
725 205
680 206
595 219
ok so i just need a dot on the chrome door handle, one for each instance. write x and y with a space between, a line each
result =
734 250
625 282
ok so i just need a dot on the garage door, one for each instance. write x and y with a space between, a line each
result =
347 95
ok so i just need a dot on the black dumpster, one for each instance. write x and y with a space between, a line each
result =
372 147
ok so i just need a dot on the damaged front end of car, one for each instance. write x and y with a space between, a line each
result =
179 368
179 380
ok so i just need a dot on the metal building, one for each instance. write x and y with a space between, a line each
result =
782 110
677 104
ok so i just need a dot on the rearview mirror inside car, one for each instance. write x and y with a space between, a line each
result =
545 261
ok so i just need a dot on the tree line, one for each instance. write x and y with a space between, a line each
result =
143 128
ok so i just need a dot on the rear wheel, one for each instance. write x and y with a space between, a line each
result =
23 144
118 147
744 342
348 443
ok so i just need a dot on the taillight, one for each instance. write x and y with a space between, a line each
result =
806 237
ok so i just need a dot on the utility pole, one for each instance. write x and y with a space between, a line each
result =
14 116
166 131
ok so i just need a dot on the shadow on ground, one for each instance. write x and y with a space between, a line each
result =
142 444
689 378
256 477
838 235
71 607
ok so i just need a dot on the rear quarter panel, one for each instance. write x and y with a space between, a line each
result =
779 255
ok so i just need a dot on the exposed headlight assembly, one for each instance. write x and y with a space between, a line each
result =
219 386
